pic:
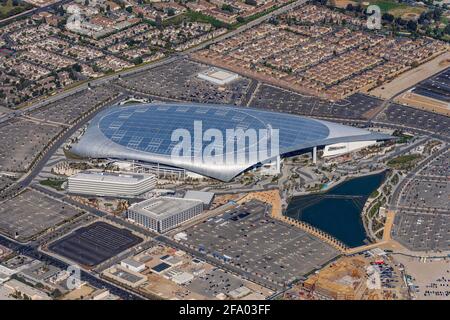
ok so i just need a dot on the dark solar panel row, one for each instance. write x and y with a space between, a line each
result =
95 243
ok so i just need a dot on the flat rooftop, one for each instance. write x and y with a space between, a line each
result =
205 197
163 207
219 74
112 177
214 74
95 243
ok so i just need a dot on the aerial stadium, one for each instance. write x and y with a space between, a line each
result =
144 133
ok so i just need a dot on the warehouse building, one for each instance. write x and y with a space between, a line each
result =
164 213
111 184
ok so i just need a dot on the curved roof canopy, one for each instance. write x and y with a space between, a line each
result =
148 133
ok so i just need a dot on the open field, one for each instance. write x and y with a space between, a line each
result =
425 103
411 77
431 278
8 9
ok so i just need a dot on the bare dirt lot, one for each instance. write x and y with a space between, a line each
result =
432 278
410 78
424 103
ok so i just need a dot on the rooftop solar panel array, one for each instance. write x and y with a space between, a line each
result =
149 133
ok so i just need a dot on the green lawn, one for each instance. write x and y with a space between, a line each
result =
404 162
53 183
195 17
8 10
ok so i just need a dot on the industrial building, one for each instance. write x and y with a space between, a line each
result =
164 213
111 184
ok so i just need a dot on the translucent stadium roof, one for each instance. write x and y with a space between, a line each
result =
144 133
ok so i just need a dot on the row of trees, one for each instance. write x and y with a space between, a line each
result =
425 19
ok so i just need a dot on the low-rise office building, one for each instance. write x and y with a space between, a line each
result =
164 213
111 184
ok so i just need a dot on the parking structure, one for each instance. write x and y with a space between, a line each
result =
246 237
94 244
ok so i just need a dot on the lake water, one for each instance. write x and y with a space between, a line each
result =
338 210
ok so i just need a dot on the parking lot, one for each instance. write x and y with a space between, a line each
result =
437 87
22 141
178 80
67 110
422 232
214 282
415 118
94 244
273 98
427 194
249 239
439 167
31 213
5 182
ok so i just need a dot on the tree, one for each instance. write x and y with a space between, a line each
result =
138 60
447 29
227 7
171 12
349 7
412 26
388 17
76 67
437 14
158 21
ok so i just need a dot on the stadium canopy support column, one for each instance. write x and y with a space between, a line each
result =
314 155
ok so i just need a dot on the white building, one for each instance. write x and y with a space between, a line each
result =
338 149
111 184
164 213
26 290
217 76
133 265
